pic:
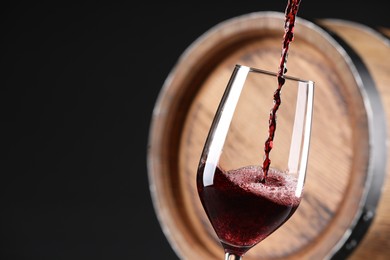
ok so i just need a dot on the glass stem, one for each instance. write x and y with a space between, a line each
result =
230 256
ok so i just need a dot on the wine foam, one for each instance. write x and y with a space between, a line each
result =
279 187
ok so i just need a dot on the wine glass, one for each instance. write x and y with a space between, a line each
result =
244 202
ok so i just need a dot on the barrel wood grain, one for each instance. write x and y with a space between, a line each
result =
375 52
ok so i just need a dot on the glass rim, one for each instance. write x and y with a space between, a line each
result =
251 69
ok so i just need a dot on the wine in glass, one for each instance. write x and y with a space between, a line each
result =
244 202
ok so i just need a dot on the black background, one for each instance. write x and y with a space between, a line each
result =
78 85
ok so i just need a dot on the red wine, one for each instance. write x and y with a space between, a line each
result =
243 210
291 12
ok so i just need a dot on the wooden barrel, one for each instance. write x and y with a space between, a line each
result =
346 205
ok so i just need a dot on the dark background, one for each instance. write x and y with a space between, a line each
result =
78 84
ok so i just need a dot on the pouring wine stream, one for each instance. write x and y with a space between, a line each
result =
291 12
